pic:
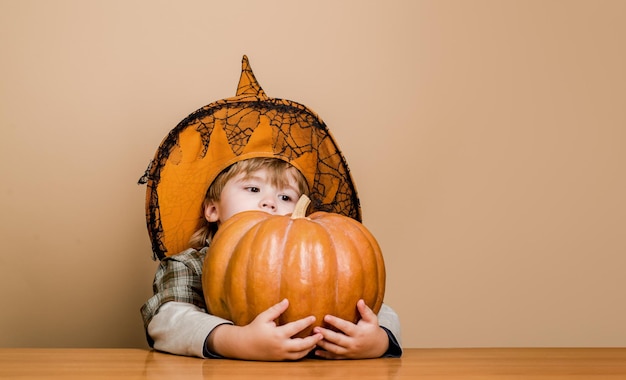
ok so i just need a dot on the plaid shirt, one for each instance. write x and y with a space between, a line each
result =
178 278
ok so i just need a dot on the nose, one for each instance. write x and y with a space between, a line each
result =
268 204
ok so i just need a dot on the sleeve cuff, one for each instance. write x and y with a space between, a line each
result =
394 350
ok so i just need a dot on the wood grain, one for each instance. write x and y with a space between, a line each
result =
478 363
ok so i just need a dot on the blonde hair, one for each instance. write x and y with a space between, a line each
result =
279 173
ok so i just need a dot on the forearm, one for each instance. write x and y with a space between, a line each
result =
182 329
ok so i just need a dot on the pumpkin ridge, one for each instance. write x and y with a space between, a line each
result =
258 258
243 253
379 266
370 259
360 255
329 266
239 262
355 282
281 288
337 270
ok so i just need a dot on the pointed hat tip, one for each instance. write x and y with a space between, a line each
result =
248 84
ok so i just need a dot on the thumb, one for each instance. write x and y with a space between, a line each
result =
367 314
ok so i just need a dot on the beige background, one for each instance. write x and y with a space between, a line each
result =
486 139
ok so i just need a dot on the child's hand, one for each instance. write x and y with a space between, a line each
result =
262 339
359 341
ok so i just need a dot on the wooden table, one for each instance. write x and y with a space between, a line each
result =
481 363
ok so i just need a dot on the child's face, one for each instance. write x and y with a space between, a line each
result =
253 192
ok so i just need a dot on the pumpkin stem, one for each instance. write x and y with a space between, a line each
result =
300 210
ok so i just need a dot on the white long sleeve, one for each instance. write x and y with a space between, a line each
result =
181 328
388 319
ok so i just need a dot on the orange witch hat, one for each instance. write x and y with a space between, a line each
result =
248 125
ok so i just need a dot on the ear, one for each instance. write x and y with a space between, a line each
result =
211 212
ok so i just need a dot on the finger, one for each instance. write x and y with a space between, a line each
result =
329 355
274 311
304 344
292 328
331 346
341 324
331 336
297 348
367 314
296 355
333 341
293 356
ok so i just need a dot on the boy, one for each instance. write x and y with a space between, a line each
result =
250 152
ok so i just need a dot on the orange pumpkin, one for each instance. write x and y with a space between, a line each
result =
323 264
